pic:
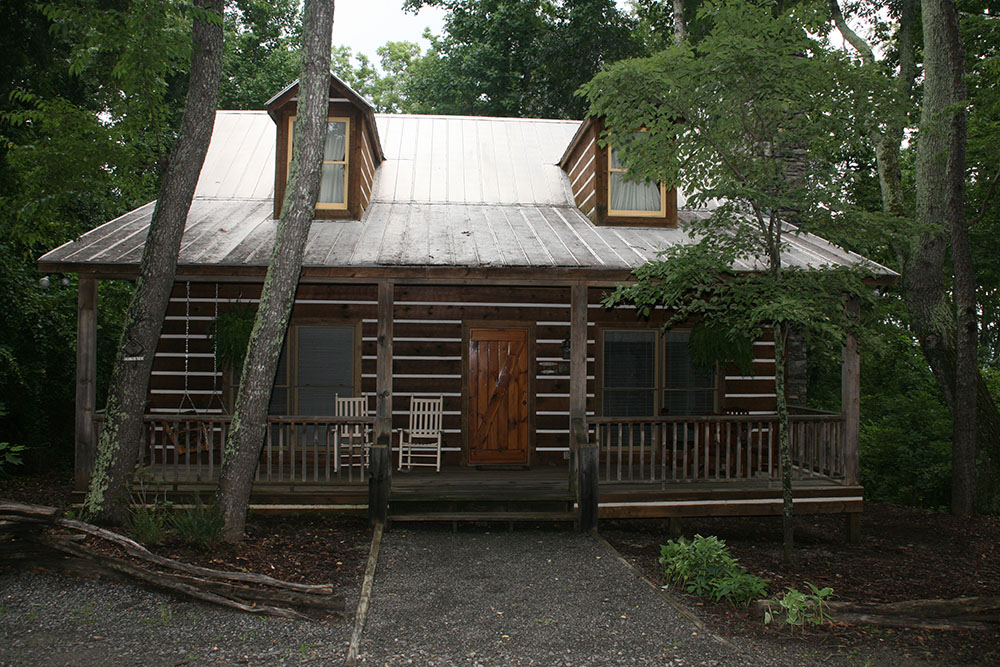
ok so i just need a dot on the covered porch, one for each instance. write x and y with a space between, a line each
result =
666 466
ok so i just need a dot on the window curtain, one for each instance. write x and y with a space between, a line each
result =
331 189
629 195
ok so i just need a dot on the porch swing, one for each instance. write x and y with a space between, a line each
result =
197 436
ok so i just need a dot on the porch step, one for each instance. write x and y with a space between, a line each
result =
485 516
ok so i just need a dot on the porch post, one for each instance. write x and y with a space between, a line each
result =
380 457
584 449
850 399
86 372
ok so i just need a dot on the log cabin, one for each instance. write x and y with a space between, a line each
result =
463 258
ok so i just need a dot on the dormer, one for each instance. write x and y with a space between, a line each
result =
602 191
352 151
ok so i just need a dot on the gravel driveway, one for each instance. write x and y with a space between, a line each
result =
470 598
54 620
526 598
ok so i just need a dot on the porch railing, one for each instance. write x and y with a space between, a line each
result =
710 448
189 448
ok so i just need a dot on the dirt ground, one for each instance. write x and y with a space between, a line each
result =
905 553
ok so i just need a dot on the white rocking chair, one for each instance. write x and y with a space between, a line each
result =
353 438
423 439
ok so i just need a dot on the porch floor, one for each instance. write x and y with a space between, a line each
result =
468 492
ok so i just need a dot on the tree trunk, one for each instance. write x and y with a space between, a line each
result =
784 448
246 436
940 181
931 314
123 432
680 23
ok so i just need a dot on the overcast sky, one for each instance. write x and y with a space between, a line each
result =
365 25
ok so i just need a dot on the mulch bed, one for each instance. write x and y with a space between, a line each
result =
905 554
303 548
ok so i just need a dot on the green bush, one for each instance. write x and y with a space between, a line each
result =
198 524
148 524
798 609
704 567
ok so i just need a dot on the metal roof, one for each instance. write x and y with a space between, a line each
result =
453 192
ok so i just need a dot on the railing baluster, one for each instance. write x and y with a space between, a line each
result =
642 451
619 451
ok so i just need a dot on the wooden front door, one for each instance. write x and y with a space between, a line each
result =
499 402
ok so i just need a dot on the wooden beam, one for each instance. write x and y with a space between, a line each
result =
850 400
380 456
578 353
86 374
583 450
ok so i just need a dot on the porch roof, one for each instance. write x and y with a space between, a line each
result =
454 193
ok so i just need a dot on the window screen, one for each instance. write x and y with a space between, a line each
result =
687 389
629 388
324 367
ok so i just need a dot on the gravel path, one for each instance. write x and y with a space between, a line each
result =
527 598
54 620
473 598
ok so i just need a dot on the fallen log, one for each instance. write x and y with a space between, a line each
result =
44 532
964 613
10 511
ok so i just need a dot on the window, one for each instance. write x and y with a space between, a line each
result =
628 197
323 364
333 184
649 372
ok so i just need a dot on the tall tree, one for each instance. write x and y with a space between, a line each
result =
943 318
261 56
517 57
721 118
107 496
246 436
940 180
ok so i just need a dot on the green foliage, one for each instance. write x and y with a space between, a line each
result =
797 610
148 524
516 57
230 333
751 93
10 455
199 524
705 568
148 512
261 56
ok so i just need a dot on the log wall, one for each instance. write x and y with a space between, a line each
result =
427 351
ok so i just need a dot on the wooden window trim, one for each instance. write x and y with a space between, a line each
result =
327 206
628 213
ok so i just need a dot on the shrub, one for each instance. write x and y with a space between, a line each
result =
148 524
705 567
198 524
10 455
798 609
148 515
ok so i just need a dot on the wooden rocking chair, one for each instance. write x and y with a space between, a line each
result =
353 439
422 440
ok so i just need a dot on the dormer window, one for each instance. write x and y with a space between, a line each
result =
352 151
632 197
333 185
601 186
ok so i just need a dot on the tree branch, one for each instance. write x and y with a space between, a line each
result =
986 200
850 36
